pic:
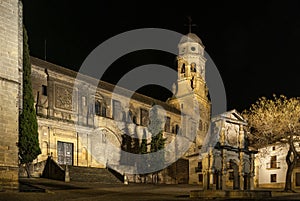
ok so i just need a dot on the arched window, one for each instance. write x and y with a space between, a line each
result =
193 67
183 68
200 127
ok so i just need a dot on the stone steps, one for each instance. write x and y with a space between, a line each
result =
89 174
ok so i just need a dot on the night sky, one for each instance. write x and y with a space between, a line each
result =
255 46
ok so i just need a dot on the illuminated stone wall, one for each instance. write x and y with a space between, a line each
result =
10 89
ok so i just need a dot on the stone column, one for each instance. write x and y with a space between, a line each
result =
224 170
252 169
224 158
241 170
211 167
205 164
241 156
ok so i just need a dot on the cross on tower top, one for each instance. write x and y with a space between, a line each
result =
190 25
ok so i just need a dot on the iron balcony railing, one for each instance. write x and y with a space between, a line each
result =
273 165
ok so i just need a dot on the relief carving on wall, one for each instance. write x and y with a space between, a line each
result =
63 97
232 134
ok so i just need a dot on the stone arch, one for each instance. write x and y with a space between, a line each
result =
104 146
110 132
233 171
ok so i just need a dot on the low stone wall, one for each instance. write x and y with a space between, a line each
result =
36 169
229 194
53 171
271 185
8 178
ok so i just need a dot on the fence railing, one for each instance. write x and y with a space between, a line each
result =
273 165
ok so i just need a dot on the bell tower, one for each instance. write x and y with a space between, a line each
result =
190 91
191 66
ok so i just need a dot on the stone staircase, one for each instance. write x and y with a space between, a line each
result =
89 174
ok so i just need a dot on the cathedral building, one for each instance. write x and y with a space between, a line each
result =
91 127
78 129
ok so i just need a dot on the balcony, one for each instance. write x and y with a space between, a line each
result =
273 165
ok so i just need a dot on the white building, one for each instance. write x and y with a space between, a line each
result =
271 167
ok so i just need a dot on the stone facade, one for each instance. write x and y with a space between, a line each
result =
84 122
226 161
11 57
87 118
94 122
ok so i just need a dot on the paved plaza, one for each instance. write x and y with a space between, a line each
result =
38 189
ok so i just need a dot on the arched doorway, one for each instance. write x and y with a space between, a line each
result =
236 179
233 171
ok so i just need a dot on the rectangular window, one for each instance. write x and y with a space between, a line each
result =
98 108
167 124
144 117
273 178
298 179
103 111
273 162
44 90
200 165
117 110
215 178
200 177
231 176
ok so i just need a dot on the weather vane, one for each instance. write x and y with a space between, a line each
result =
190 25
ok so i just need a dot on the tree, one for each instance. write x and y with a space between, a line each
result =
143 150
28 129
157 139
126 148
276 120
